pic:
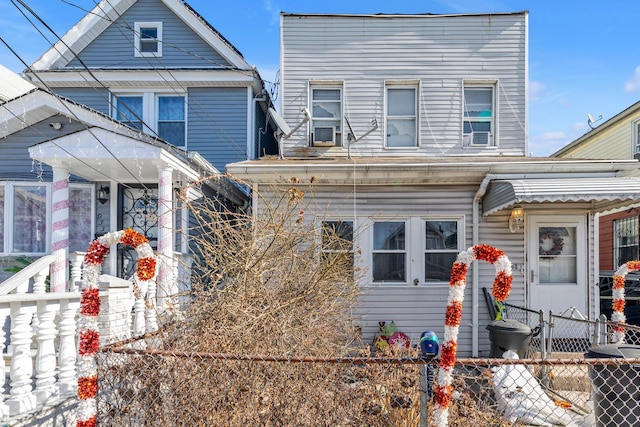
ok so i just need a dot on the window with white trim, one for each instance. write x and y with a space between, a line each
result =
625 241
337 239
401 119
479 115
326 115
635 137
148 39
441 249
162 114
389 255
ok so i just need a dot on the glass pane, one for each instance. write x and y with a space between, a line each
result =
554 241
388 236
329 110
79 219
389 268
337 235
171 108
148 33
441 235
558 270
437 266
477 127
2 218
172 132
29 218
326 94
401 102
478 102
148 46
401 133
129 110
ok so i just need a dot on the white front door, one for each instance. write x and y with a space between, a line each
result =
558 263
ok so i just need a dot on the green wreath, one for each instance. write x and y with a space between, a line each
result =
557 246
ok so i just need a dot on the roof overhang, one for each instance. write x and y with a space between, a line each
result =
99 154
603 193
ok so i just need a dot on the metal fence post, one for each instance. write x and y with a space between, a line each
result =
426 381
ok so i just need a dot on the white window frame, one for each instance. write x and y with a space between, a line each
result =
150 105
406 251
635 138
416 116
468 138
616 238
339 134
138 39
9 193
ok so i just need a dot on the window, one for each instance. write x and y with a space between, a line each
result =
326 116
401 117
128 110
148 39
636 138
80 217
479 117
155 113
337 239
626 245
389 252
29 227
441 249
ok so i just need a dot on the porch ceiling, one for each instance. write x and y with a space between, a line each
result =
603 193
98 154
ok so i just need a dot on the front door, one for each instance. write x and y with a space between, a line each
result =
558 263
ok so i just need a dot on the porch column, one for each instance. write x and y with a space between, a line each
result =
60 229
167 286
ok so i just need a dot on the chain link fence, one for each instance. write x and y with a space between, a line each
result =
153 386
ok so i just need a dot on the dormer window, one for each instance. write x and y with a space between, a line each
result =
148 39
479 116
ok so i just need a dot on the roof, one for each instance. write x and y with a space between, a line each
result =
404 15
602 192
599 129
12 85
107 11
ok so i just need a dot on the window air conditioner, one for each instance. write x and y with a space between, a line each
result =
482 138
324 136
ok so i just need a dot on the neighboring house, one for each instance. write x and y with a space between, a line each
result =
442 168
616 138
138 99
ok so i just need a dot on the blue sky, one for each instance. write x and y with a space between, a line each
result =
583 55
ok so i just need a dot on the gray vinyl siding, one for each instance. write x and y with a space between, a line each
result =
182 47
437 53
15 163
415 309
218 124
95 98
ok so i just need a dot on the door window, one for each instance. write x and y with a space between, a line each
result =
557 257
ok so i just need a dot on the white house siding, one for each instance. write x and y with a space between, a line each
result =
415 309
437 52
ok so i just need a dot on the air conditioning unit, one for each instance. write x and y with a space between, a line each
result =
324 136
482 138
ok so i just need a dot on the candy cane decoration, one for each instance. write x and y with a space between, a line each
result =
500 291
88 344
618 299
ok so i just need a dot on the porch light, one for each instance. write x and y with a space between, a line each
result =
103 194
516 220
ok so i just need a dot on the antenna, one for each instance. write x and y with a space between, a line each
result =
352 138
284 131
591 120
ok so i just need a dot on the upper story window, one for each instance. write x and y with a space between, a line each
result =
148 39
636 138
625 240
326 115
402 120
154 113
479 115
